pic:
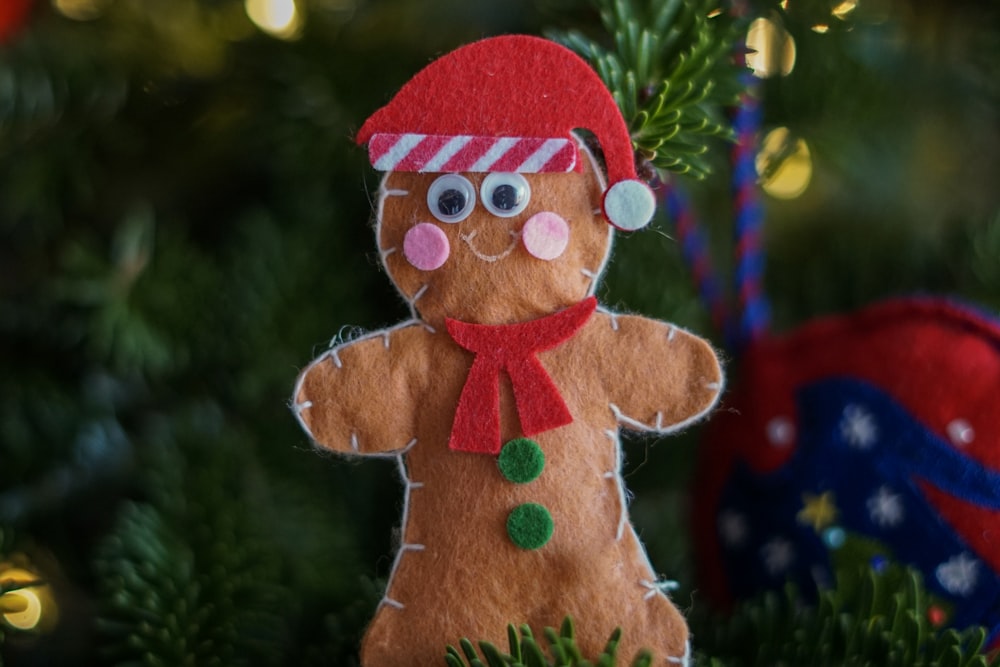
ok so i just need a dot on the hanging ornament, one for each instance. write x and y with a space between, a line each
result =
865 438
503 398
881 423
13 17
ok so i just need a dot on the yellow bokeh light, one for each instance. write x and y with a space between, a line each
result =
30 608
842 10
28 617
821 28
771 49
80 10
784 164
280 18
10 603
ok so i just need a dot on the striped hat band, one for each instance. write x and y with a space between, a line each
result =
439 153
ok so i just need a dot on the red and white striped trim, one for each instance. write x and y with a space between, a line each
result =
439 153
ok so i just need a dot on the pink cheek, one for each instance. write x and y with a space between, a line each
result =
545 235
426 247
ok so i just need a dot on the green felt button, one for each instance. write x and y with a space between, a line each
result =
521 460
529 526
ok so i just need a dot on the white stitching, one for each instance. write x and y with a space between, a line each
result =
619 483
344 335
677 426
412 301
622 418
592 277
385 192
296 391
684 660
419 293
597 211
658 586
405 546
373 334
333 354
467 238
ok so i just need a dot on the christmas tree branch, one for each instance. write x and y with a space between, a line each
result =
872 616
878 615
671 72
525 651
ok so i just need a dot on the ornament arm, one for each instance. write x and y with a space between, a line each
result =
358 397
660 378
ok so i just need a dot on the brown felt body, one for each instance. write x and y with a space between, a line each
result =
458 573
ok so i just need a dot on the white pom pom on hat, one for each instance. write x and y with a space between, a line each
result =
509 104
629 205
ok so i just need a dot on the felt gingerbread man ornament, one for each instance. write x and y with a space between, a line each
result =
503 397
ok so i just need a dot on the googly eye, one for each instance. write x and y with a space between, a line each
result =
505 195
451 198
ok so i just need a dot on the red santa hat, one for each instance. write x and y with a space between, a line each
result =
508 104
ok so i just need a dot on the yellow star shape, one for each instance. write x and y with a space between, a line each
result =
818 511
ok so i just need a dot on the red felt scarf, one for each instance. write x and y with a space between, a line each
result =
511 348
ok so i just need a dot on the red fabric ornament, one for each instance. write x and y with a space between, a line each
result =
891 416
13 16
483 108
511 348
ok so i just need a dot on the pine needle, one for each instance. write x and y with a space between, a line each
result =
670 70
525 650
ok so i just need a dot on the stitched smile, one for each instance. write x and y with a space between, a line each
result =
468 238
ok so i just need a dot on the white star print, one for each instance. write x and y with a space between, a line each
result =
886 508
858 427
780 432
960 432
778 555
733 528
959 574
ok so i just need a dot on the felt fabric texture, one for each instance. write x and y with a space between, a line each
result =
511 348
508 103
892 411
440 153
521 460
629 205
529 526
395 393
545 235
426 247
477 283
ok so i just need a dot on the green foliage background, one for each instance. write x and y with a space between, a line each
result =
184 223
